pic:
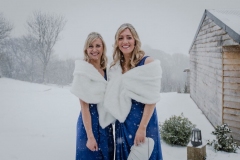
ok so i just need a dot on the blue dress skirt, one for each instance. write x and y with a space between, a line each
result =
104 138
125 132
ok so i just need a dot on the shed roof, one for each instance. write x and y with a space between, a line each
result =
227 19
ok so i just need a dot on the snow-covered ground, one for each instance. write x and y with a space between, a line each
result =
37 122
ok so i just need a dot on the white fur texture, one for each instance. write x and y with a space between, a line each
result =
88 84
142 84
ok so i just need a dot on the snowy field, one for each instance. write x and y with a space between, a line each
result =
37 122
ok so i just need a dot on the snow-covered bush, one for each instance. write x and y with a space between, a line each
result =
176 130
223 142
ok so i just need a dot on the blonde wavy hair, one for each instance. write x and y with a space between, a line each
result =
92 37
137 53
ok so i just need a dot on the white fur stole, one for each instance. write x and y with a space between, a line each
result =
88 84
143 84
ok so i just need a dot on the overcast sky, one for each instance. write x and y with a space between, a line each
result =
167 25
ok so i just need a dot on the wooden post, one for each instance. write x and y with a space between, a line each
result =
187 83
196 153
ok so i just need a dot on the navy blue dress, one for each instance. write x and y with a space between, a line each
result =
104 138
125 132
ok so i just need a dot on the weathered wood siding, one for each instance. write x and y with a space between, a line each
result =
231 89
206 67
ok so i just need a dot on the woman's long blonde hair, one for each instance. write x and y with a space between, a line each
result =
92 37
137 53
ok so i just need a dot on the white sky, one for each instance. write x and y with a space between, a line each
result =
167 25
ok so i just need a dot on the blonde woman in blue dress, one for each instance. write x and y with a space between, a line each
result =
89 86
132 93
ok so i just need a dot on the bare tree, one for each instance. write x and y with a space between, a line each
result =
5 29
24 50
7 59
30 49
60 71
46 29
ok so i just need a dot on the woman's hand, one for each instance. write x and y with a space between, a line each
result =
86 116
92 144
140 136
141 132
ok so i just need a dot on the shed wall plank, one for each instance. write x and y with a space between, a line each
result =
234 105
234 74
231 85
231 98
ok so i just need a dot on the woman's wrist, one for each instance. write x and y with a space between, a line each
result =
142 127
90 135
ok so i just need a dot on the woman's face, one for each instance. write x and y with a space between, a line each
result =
95 49
126 42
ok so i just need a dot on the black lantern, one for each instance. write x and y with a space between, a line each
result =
196 139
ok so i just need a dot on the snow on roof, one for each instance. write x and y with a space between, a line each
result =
230 17
227 19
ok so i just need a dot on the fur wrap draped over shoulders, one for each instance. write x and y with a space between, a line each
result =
142 83
88 84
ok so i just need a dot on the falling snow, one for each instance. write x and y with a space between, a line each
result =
28 112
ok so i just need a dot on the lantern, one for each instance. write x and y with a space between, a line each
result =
196 139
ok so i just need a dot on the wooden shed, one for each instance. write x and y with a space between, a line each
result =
215 68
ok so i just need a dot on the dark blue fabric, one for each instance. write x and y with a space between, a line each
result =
125 132
104 138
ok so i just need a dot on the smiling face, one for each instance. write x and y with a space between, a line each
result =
126 42
95 49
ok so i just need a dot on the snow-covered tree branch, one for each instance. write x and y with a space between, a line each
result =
45 28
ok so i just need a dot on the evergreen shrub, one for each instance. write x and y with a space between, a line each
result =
177 130
223 142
